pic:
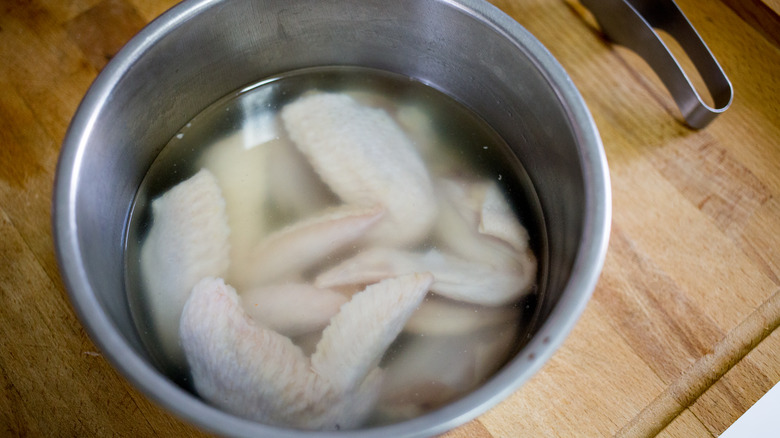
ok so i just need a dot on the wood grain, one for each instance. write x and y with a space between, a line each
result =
762 15
665 328
610 388
679 339
705 372
102 30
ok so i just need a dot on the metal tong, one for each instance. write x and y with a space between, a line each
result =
631 23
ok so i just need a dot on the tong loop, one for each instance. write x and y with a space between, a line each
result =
631 23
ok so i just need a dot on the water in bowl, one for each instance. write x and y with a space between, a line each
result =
449 347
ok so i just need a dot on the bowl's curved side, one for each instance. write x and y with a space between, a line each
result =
594 234
121 350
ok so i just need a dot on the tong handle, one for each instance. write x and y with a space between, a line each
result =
631 23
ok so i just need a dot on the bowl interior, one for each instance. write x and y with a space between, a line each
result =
202 50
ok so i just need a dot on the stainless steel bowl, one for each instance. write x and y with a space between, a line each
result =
203 49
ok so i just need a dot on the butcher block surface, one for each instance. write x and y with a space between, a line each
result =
679 339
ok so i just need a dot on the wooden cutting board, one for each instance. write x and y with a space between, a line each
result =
680 337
